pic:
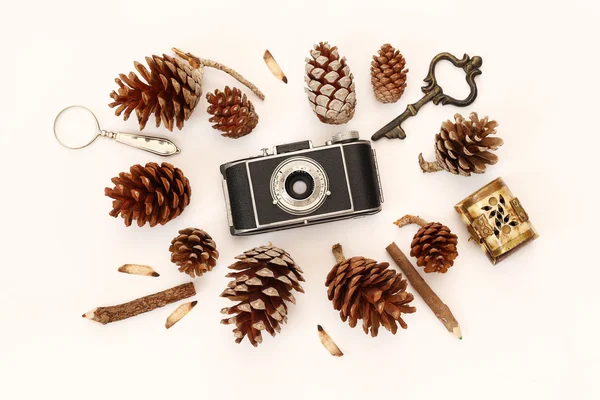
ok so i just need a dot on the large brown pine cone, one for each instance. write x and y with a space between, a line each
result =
434 246
262 286
232 112
194 251
463 147
388 75
361 288
330 85
153 194
171 91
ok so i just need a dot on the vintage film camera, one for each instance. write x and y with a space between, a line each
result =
302 185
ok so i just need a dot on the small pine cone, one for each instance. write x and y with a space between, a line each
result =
434 246
153 194
361 288
262 286
194 251
388 75
463 147
171 91
330 85
232 112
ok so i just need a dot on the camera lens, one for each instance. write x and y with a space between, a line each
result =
299 185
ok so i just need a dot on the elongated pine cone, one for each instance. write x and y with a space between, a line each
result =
330 85
464 146
388 75
232 112
262 285
194 251
361 288
153 194
434 246
171 91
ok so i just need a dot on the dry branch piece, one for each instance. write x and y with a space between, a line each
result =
330 85
137 269
361 288
232 112
106 315
388 75
153 194
262 286
433 245
274 67
199 63
179 313
194 251
431 299
463 147
328 343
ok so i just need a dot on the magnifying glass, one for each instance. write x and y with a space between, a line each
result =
76 127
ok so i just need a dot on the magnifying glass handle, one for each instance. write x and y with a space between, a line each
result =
156 145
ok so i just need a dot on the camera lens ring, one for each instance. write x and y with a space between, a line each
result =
311 173
300 179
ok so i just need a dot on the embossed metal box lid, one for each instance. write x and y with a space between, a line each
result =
496 220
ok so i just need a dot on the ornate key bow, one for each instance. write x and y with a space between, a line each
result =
433 92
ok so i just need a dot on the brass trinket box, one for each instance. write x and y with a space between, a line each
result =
496 220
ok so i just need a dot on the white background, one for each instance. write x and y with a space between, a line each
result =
530 324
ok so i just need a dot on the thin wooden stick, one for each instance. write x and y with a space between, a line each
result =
197 62
440 309
410 219
429 166
105 315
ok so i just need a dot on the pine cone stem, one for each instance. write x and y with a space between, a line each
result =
197 63
338 253
410 219
428 166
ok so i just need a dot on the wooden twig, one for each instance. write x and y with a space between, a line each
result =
410 219
137 269
441 310
106 315
179 313
197 63
328 343
338 253
428 166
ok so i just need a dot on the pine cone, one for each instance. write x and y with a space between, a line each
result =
194 251
154 194
171 91
434 246
388 75
361 288
330 85
233 113
463 147
262 286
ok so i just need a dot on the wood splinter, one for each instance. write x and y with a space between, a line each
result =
328 343
274 66
137 269
105 315
179 313
441 310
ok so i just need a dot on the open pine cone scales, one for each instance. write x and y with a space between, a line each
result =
464 146
194 251
153 194
434 246
171 91
330 85
361 288
232 112
388 75
262 286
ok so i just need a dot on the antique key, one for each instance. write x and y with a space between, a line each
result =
433 92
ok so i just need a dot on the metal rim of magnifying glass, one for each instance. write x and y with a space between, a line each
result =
98 131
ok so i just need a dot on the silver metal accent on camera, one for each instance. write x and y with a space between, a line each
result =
264 151
378 177
288 203
227 205
343 136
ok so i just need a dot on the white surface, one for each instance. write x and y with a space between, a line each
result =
529 324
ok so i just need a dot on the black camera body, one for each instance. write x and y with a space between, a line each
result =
299 185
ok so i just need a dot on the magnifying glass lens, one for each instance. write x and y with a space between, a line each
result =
76 127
